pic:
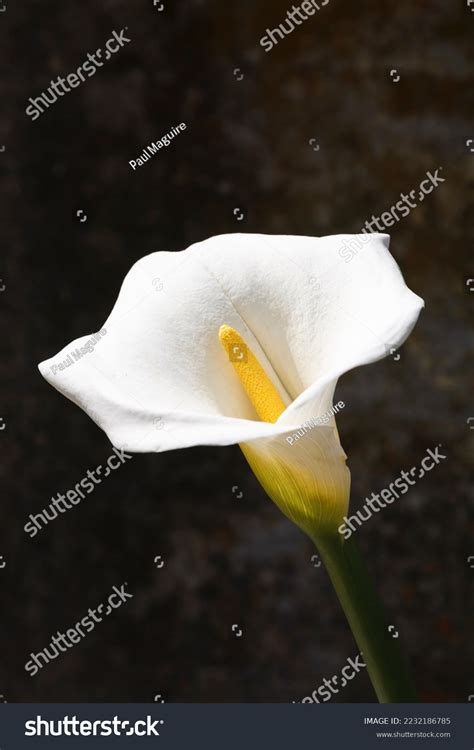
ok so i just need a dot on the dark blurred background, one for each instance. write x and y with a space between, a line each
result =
228 560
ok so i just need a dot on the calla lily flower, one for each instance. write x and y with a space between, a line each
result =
306 315
241 339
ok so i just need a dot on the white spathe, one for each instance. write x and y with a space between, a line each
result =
161 380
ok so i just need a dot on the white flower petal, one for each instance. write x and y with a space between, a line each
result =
159 379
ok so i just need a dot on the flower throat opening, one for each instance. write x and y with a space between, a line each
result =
263 395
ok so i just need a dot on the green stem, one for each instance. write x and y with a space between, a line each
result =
381 653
